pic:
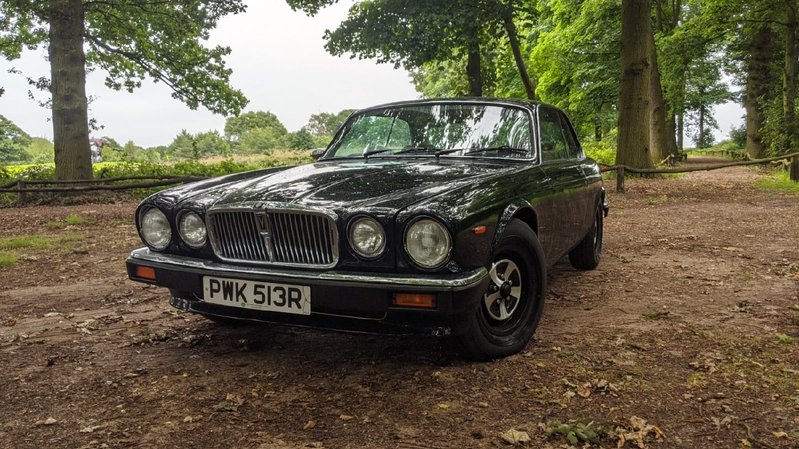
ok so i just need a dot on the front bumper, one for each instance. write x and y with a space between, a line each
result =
340 300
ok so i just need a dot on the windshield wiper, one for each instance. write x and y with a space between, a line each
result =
506 148
366 154
416 149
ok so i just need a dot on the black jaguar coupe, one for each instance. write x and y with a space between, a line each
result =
430 216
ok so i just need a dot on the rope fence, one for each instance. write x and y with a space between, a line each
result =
622 170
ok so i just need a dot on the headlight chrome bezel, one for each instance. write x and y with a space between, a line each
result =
180 224
143 232
350 228
447 236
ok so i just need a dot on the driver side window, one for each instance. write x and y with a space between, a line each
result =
371 132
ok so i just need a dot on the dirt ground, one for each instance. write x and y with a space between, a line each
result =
687 336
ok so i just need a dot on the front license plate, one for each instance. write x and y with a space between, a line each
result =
256 295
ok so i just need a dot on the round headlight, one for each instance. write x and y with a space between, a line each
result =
427 243
155 229
367 237
192 229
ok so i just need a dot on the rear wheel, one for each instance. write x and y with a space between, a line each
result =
586 255
508 313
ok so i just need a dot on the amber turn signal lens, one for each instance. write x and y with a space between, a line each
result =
419 300
479 230
145 273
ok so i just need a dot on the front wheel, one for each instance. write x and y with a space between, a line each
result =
508 313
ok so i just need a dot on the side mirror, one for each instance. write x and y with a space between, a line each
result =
317 153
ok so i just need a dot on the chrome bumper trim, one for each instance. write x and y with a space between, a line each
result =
467 279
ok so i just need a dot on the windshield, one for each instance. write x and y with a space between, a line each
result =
477 130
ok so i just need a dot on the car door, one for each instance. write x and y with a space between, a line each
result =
584 203
563 172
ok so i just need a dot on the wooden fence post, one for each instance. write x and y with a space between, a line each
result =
620 179
794 171
23 195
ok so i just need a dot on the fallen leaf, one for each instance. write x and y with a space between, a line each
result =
515 437
309 425
346 417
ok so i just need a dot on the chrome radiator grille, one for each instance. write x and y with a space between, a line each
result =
280 237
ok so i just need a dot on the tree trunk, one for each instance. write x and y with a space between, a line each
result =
473 69
513 39
789 79
680 131
597 128
68 88
633 147
757 90
658 133
701 140
671 131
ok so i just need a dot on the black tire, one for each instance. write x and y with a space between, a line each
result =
586 255
483 333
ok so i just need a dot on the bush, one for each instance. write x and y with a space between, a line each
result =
603 151
738 136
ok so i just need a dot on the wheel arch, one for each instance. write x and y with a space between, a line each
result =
523 211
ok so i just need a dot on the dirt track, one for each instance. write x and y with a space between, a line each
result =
691 323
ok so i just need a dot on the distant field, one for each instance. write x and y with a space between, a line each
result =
214 166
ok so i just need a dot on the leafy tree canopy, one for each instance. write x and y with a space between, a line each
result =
325 124
236 127
13 142
134 39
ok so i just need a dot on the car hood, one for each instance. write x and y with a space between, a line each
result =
377 183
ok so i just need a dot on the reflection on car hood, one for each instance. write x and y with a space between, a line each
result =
353 184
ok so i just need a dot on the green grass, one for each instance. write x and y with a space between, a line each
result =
75 220
71 220
778 181
7 259
19 242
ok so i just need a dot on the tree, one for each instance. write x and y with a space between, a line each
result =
300 140
211 143
236 127
183 146
633 149
40 151
413 33
326 124
260 141
128 39
13 142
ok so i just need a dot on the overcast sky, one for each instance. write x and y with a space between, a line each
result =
278 61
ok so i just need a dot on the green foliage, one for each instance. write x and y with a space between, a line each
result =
7 259
259 141
13 143
211 143
576 432
326 124
40 151
738 136
183 147
236 127
576 59
74 220
300 140
603 151
134 39
28 241
779 180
